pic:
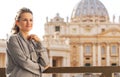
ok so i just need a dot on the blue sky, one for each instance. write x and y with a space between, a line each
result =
42 9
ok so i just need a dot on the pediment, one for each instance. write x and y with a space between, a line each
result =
110 32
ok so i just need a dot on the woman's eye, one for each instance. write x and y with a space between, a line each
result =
31 20
27 20
24 19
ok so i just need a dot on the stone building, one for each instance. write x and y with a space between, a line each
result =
2 53
88 39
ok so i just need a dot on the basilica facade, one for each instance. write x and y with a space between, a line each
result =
88 39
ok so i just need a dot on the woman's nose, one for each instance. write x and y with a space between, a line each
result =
28 22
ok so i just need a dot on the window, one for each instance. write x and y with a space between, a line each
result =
102 50
87 64
57 28
87 58
114 64
88 28
114 50
103 58
57 19
74 30
103 30
87 49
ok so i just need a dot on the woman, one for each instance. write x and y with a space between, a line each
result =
25 54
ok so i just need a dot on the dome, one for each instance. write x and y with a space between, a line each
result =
90 8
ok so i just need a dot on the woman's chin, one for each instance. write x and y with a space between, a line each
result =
27 30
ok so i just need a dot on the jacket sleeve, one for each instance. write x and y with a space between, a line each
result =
20 58
42 53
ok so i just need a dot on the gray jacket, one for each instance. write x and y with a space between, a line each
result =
23 57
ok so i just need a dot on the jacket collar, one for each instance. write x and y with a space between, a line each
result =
21 36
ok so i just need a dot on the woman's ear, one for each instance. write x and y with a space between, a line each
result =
17 22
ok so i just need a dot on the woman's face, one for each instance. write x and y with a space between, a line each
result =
25 23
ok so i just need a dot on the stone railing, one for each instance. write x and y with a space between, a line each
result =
105 70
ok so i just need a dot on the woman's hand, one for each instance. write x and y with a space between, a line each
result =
34 37
46 67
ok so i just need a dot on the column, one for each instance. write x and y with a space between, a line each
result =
108 55
81 55
66 63
0 60
66 60
51 63
94 55
99 55
119 53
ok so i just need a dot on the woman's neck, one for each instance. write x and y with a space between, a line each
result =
25 34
